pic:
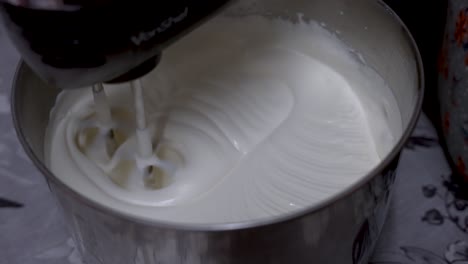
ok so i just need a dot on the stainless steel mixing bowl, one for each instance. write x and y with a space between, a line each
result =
341 230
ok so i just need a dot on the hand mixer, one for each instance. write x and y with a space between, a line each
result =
77 43
83 43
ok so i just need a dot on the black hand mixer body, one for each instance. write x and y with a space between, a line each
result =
84 42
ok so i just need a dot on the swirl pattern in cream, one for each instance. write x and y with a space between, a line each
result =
266 118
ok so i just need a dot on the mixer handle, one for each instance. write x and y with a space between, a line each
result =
77 43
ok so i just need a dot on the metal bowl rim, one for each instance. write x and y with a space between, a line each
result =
226 227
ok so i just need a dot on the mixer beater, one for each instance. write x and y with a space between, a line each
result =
112 143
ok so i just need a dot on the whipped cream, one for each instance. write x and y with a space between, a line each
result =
253 118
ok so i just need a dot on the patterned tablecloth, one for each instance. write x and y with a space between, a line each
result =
427 224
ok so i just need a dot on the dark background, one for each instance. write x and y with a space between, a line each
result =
426 21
